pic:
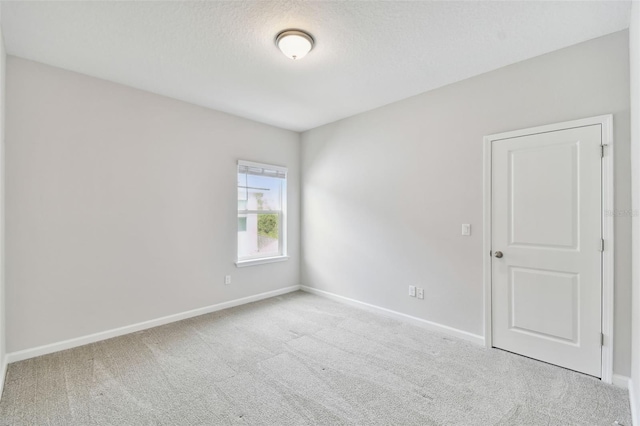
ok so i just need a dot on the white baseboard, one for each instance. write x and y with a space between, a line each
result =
620 381
108 334
430 325
633 401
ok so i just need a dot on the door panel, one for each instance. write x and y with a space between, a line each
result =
546 220
530 291
544 205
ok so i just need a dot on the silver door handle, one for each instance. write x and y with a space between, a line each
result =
499 254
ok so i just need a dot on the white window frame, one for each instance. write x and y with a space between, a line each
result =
282 215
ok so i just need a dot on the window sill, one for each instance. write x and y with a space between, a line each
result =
252 262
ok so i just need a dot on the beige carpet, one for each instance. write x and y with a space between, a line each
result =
296 360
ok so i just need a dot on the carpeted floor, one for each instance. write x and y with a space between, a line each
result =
299 359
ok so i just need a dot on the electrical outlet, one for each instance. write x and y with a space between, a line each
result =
420 292
412 290
227 279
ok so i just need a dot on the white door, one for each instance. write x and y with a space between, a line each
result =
546 247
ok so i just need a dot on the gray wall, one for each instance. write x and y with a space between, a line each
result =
121 205
385 192
634 54
3 346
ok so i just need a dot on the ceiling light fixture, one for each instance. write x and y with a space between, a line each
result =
295 44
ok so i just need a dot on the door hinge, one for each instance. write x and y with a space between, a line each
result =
601 244
601 339
602 147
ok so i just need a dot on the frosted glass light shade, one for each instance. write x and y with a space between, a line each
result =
295 44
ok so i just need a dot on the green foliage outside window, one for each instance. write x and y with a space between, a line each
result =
268 225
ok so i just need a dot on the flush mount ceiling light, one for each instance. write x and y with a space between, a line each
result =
295 44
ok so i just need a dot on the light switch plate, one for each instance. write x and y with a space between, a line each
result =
466 229
412 290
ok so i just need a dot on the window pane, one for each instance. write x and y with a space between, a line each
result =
260 238
242 224
259 192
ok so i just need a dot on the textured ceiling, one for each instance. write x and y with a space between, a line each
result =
221 54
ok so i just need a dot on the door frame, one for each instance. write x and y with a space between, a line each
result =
606 123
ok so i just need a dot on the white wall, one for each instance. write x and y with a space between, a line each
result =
121 205
385 192
634 54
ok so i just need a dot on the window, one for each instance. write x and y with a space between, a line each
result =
262 224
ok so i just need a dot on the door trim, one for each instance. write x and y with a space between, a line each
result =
606 123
